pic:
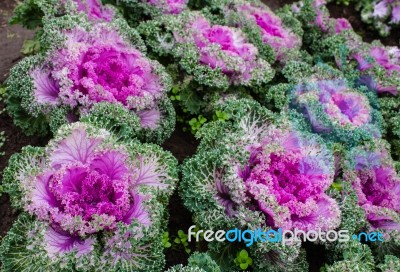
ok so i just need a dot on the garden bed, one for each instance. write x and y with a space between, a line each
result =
181 144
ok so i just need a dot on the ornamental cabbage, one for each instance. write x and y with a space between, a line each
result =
329 37
254 173
391 264
383 62
31 13
90 199
338 110
87 65
197 262
389 110
139 11
94 9
169 6
384 15
374 179
215 55
279 33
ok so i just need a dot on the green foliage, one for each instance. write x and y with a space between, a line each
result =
20 101
336 186
192 101
197 123
353 216
113 117
390 108
220 116
276 98
186 98
28 14
14 254
181 239
243 260
197 262
296 71
352 256
175 96
391 264
165 240
30 47
132 10
203 261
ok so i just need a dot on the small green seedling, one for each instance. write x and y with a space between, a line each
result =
196 123
165 240
220 116
175 94
337 186
182 239
243 259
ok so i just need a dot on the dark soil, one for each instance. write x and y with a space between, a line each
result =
181 144
11 39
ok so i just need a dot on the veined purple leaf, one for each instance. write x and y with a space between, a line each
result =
76 147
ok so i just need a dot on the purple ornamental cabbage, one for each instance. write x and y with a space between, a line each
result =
337 110
322 17
256 171
95 64
261 167
289 171
98 66
213 55
238 58
86 190
377 186
95 10
386 58
273 31
340 103
170 6
384 15
379 63
342 24
325 22
81 183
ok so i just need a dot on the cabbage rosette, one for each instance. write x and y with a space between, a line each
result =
94 71
32 13
276 35
252 173
213 55
89 202
383 15
377 65
372 174
337 109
